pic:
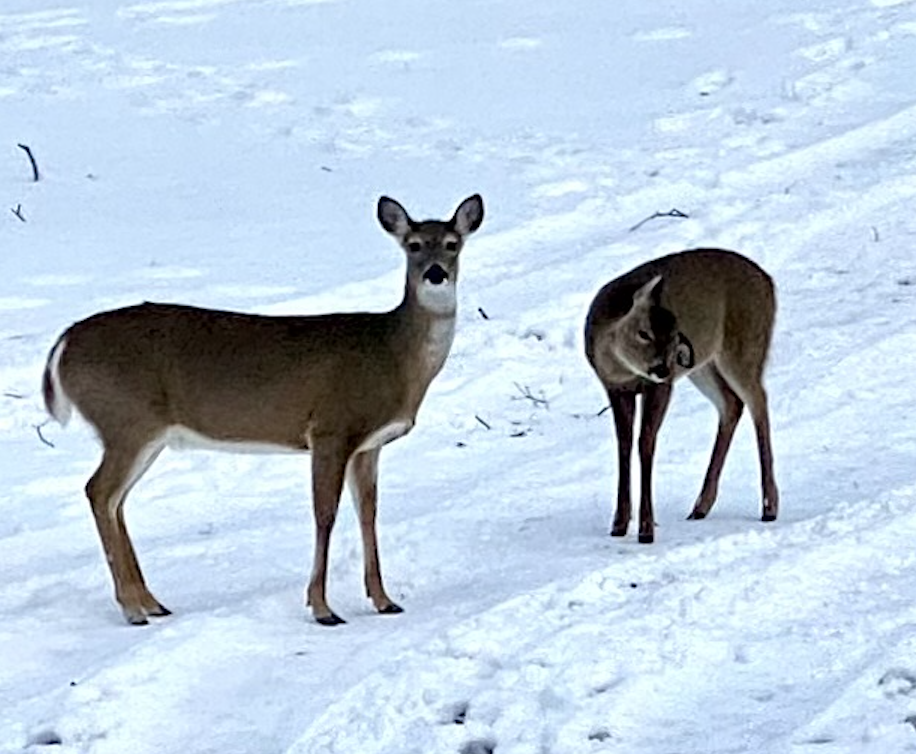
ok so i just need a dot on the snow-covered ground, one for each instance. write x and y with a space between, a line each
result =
229 153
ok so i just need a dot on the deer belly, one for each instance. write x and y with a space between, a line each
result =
180 437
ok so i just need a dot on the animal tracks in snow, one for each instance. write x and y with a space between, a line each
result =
186 12
663 34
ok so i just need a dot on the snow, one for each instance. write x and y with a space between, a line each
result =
229 153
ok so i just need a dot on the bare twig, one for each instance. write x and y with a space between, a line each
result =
669 213
9 394
482 422
602 411
875 236
520 431
482 313
25 148
18 212
41 437
528 395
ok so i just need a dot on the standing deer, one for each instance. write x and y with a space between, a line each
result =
337 385
706 313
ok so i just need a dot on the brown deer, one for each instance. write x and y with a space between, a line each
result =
706 313
337 385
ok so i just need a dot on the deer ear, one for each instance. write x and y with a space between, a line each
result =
469 215
685 356
644 294
393 217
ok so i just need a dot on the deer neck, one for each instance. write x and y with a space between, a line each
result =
426 319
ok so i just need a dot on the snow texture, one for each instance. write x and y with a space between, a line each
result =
229 153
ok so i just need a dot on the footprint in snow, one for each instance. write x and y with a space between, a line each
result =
712 81
663 34
520 44
395 57
827 50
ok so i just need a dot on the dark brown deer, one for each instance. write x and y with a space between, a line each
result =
339 386
707 314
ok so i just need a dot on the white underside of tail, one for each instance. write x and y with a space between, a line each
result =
60 406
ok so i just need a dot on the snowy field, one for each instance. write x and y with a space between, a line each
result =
229 153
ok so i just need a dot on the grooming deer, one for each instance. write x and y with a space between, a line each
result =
704 313
339 386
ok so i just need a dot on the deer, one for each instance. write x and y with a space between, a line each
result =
707 314
338 386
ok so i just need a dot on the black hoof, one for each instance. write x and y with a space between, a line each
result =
330 620
391 609
646 539
768 517
696 516
137 620
617 532
159 612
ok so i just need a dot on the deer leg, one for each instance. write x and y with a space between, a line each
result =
151 606
122 465
362 476
752 392
654 406
623 404
329 463
714 386
761 416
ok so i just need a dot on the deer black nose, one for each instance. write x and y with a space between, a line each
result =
435 275
661 371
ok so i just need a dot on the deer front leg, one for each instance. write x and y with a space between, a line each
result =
362 475
329 462
655 404
623 404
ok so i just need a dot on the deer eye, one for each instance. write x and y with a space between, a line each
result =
451 246
643 335
414 246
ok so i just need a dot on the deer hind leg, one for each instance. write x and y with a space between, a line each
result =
752 392
713 385
362 476
329 463
123 464
623 404
655 404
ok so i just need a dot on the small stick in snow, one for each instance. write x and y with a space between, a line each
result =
25 148
482 422
669 213
18 212
41 437
526 393
482 312
874 234
601 412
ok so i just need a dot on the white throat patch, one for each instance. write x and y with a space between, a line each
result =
440 298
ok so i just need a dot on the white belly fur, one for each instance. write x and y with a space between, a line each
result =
182 438
386 434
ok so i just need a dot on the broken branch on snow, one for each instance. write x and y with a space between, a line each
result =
28 151
669 213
